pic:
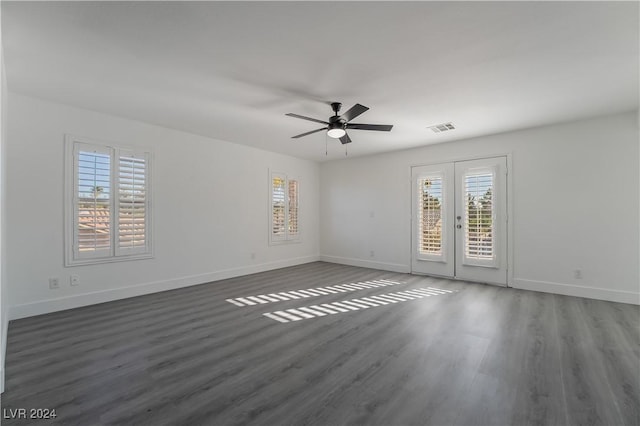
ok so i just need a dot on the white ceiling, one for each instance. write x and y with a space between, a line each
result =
231 70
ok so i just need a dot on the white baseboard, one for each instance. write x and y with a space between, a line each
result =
76 301
393 267
578 291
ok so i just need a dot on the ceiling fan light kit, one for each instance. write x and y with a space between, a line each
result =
336 130
337 125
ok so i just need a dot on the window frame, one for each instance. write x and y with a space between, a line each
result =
287 238
115 252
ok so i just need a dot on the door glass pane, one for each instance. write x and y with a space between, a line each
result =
429 215
479 229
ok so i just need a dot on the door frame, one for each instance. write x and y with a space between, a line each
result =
510 192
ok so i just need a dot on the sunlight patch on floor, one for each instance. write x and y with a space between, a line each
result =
310 292
332 308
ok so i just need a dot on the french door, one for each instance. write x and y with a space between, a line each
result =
459 213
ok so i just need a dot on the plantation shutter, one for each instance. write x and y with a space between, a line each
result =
278 207
479 242
92 201
132 205
292 218
430 202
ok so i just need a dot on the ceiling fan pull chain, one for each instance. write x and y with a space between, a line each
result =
345 150
326 145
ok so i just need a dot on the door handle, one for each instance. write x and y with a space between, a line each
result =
459 226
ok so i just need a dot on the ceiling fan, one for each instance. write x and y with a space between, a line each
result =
337 125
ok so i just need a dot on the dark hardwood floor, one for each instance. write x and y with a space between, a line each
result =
395 349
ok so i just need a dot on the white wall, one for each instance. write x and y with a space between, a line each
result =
210 209
575 205
4 317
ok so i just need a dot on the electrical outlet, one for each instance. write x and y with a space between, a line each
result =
372 253
74 280
54 283
253 256
577 274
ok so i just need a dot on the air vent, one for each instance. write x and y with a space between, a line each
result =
444 127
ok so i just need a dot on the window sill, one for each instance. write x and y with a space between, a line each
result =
284 242
84 262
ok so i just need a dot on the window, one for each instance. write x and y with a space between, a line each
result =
284 208
108 203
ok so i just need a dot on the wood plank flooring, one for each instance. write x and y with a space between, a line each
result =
469 355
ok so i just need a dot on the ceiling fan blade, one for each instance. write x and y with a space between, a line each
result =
345 139
290 114
379 127
354 111
308 133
